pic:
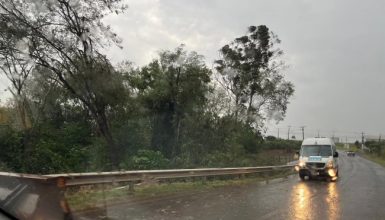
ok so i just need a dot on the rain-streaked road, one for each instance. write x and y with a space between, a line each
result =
358 194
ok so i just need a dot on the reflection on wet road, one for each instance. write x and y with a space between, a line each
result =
332 200
311 201
358 194
301 202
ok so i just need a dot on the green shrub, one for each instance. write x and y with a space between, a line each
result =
146 160
249 141
376 147
288 145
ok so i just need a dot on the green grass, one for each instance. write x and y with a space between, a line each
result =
352 147
340 146
374 158
369 156
91 198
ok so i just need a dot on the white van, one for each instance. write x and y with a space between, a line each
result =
318 157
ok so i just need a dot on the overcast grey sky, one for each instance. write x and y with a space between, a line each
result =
335 50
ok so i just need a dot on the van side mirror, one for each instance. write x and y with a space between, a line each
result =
335 154
296 155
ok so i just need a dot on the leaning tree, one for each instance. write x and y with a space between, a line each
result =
252 71
66 37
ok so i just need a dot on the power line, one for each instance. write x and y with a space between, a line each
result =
362 143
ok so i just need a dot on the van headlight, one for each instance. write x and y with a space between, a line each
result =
300 165
332 172
329 164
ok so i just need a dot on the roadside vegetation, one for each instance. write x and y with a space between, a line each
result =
376 151
74 110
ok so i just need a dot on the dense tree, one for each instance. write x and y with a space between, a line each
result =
172 87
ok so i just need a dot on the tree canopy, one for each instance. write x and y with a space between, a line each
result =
252 72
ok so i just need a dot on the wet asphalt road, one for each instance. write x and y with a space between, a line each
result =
358 194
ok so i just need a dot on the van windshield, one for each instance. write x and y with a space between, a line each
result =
316 150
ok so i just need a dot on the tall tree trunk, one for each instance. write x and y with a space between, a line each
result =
163 134
112 149
22 110
236 107
249 109
176 148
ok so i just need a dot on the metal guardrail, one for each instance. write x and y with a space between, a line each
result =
28 196
76 179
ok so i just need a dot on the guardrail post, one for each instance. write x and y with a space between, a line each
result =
131 189
63 201
204 179
263 175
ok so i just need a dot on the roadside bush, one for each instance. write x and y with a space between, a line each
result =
45 149
12 148
376 147
288 145
44 159
270 138
235 155
250 142
3 167
146 160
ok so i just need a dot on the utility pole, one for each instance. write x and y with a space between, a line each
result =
278 134
362 141
303 132
288 132
318 133
346 142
